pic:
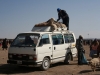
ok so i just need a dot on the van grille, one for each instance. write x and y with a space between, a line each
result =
19 57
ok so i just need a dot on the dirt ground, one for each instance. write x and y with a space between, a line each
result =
55 69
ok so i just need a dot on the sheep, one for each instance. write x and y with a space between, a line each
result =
95 62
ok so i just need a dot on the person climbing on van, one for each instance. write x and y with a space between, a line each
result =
62 14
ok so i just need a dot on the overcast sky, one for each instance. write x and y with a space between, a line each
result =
21 15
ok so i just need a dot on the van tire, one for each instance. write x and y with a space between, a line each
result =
45 64
68 58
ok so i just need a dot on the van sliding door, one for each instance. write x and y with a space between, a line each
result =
58 47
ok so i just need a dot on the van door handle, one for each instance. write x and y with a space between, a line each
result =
54 48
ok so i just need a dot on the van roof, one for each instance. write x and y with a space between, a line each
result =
49 32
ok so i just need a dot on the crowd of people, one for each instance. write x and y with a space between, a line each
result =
4 43
94 49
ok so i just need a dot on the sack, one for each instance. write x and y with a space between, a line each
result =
84 60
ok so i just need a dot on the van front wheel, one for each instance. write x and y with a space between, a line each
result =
45 64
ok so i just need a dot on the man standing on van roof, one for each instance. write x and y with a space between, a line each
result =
62 14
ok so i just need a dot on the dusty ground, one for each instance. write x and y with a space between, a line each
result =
55 69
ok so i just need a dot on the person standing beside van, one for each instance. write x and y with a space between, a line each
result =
81 57
4 44
94 47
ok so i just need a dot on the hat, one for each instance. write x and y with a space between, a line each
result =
58 9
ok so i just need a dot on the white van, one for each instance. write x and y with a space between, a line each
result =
42 48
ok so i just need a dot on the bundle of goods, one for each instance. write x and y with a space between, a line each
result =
53 24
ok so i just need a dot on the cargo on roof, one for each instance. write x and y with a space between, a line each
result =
50 25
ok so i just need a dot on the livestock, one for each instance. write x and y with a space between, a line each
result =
95 62
51 22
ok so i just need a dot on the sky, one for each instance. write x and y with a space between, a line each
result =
17 16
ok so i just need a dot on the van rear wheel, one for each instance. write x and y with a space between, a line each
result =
45 64
67 58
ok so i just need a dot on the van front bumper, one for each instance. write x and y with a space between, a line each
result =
24 62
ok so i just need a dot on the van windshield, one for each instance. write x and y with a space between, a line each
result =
25 40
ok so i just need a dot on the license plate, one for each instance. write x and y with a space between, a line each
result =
19 62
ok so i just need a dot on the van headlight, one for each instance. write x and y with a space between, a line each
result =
33 57
30 57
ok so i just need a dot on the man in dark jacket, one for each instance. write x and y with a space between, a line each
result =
62 14
80 49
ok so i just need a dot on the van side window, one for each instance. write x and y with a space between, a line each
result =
69 38
57 39
44 39
66 38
